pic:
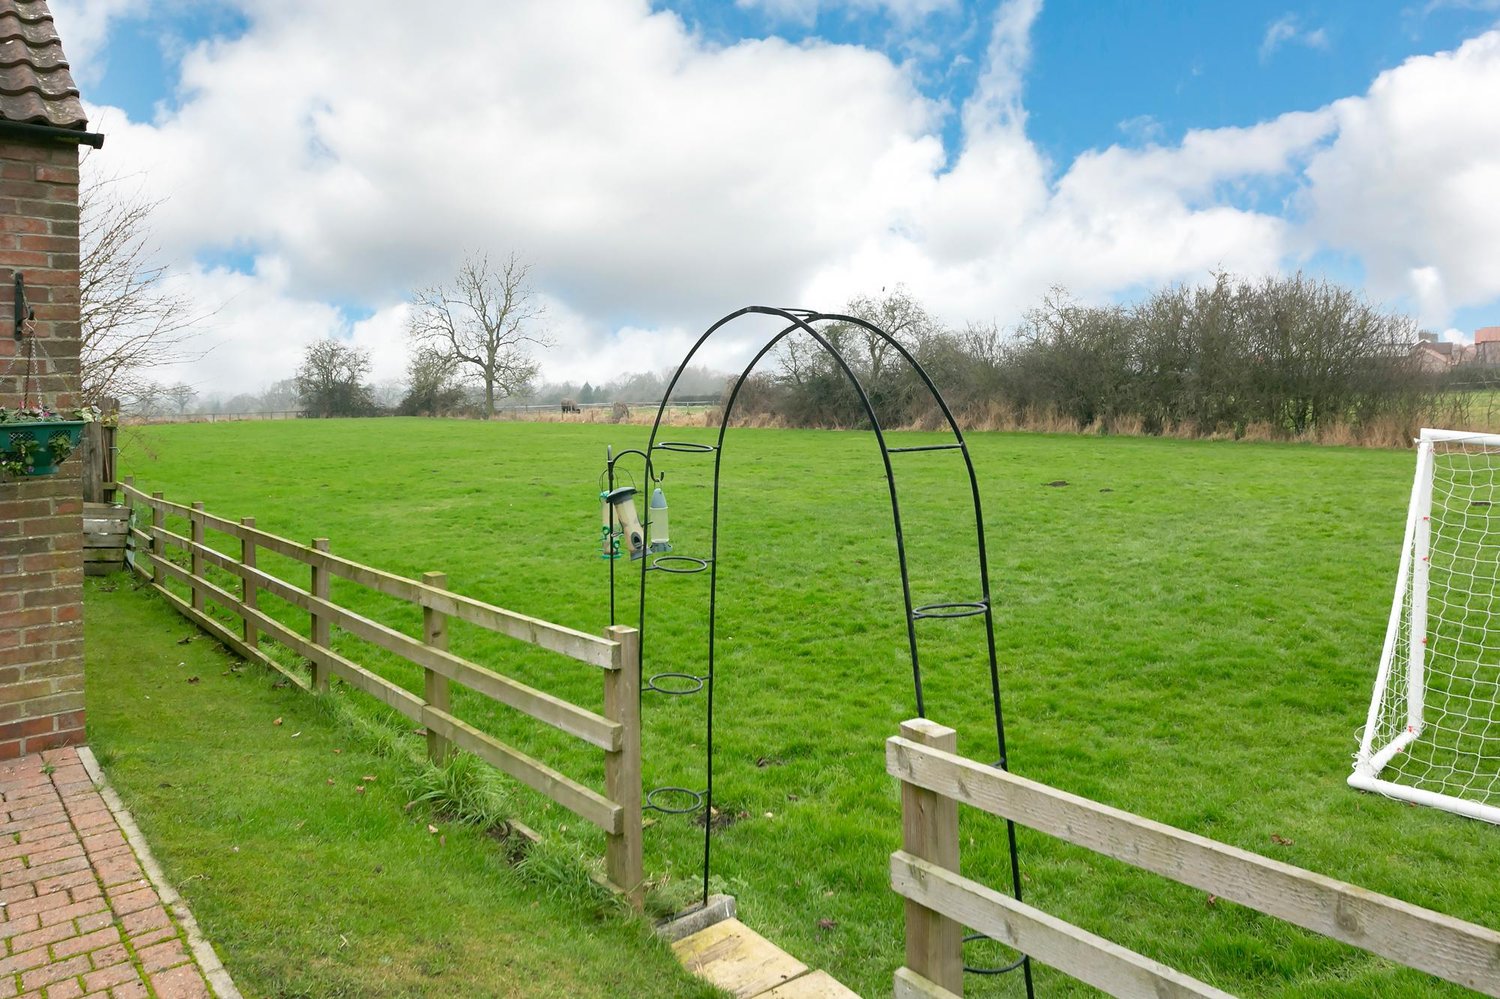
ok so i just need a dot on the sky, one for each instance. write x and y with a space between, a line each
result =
660 164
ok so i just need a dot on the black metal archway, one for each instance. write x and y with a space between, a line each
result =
807 321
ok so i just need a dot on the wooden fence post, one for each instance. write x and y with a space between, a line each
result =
622 769
195 531
436 688
249 591
91 462
929 830
109 434
321 630
129 502
158 521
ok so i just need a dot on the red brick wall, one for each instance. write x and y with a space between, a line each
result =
41 530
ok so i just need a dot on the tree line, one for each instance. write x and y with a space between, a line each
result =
1281 356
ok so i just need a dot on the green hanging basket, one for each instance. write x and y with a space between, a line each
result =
37 447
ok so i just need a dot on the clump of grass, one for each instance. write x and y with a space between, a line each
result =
560 870
464 789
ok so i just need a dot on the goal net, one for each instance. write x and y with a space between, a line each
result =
1433 732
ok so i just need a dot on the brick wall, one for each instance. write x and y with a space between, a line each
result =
41 531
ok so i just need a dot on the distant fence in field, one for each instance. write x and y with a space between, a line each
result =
940 902
617 811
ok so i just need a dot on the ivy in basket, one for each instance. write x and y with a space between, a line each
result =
34 440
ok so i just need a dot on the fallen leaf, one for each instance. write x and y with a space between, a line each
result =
432 829
368 779
276 722
410 805
184 641
337 752
792 797
330 780
295 734
827 924
770 815
359 789
192 679
1212 899
1280 840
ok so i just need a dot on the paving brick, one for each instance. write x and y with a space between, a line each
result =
133 901
69 881
182 982
24 923
89 941
146 919
43 902
130 990
95 920
89 889
55 971
159 957
106 957
70 912
69 989
117 870
114 975
152 936
44 936
20 962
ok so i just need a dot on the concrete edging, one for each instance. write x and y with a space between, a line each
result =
203 952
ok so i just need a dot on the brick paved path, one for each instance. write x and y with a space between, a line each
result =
77 915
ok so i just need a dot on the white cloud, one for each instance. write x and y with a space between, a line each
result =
1409 184
658 182
1288 30
806 11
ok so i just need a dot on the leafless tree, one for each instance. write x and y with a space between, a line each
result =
182 395
130 322
487 319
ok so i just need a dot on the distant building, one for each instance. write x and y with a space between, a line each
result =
1487 346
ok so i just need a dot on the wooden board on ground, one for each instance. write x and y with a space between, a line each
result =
737 959
817 985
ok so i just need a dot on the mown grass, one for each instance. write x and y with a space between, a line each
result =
1187 630
249 794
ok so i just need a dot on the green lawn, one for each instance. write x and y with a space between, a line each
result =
247 792
1187 630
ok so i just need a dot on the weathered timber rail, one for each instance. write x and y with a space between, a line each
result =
940 902
617 811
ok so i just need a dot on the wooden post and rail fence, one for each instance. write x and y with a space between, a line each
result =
940 902
617 811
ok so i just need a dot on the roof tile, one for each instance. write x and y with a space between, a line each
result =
35 82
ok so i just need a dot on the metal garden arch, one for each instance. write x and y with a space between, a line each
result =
806 321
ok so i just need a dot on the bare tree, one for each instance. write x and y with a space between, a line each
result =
182 395
129 321
486 319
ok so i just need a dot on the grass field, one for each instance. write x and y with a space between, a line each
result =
1187 630
307 887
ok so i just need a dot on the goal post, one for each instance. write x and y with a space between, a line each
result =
1432 735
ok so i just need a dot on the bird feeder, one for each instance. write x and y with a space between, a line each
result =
660 542
622 502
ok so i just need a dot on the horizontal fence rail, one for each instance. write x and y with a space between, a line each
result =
617 811
924 760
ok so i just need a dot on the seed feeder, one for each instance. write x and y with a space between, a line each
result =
622 502
660 542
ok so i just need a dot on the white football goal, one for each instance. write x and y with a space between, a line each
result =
1433 732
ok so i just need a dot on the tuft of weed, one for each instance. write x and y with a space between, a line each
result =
465 789
561 870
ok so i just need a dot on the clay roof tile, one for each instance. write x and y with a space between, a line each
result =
35 83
